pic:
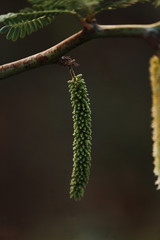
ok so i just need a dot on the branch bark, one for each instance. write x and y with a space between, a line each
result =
149 32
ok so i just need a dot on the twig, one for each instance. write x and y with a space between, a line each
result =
149 32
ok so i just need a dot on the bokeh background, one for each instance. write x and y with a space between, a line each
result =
121 201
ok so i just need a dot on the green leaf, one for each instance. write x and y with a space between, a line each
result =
43 12
4 29
85 8
6 16
33 25
39 23
23 30
29 20
15 34
10 33
26 23
28 28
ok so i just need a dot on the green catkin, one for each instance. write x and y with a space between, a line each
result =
82 136
155 85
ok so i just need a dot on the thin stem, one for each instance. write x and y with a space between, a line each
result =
149 32
134 30
72 72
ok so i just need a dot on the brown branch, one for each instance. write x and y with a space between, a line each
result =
48 56
150 32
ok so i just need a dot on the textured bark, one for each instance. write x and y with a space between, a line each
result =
150 32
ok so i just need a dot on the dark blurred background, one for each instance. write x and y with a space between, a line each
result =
121 201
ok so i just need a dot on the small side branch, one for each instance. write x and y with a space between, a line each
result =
149 32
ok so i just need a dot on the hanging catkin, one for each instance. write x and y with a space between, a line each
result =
155 84
82 136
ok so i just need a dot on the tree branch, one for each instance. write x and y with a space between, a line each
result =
149 32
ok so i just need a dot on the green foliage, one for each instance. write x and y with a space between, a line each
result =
20 24
82 136
157 3
84 8
111 5
43 12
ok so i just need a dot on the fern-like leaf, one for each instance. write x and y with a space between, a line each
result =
43 12
27 21
18 25
85 8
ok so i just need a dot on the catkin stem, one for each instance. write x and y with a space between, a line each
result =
72 72
155 85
